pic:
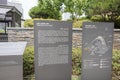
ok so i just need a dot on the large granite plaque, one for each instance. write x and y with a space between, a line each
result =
11 61
97 51
53 50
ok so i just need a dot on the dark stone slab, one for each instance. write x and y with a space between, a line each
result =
53 50
97 51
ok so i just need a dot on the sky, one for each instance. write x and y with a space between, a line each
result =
27 5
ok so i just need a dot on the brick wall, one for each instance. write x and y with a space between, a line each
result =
21 34
27 34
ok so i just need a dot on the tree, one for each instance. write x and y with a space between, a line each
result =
47 9
75 7
37 12
108 9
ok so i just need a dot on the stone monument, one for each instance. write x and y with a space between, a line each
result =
97 51
53 50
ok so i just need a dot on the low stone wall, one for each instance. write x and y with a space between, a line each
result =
27 34
77 38
116 39
21 34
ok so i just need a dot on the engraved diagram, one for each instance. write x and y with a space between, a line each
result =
97 46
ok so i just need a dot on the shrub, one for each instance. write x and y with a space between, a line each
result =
76 61
99 18
78 23
28 61
117 23
116 64
30 22
96 18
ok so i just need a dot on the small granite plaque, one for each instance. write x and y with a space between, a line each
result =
11 61
53 50
97 51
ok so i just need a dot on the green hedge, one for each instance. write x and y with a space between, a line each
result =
116 64
76 62
78 23
28 61
96 18
30 22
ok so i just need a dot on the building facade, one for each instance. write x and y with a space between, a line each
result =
10 14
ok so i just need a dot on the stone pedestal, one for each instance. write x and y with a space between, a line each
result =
11 60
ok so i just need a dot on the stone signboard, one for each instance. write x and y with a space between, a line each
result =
97 51
53 50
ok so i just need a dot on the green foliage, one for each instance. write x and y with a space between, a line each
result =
109 10
76 61
35 12
75 7
117 23
96 18
78 23
28 61
116 64
47 9
74 77
2 31
28 23
54 8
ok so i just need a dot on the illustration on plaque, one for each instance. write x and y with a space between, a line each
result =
98 46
